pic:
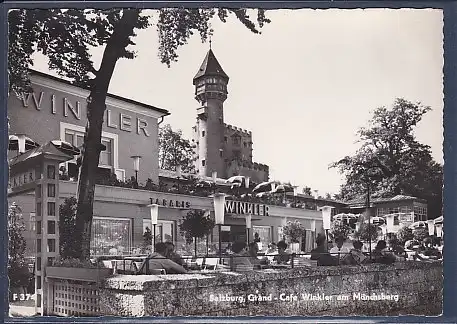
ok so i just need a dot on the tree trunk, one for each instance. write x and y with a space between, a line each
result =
195 246
92 141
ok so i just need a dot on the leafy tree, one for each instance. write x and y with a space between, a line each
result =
17 268
147 237
196 224
420 233
67 226
66 37
307 191
175 151
405 234
367 232
339 229
392 161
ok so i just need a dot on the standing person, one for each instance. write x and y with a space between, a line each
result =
159 260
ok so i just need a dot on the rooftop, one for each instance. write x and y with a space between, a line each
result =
133 102
210 67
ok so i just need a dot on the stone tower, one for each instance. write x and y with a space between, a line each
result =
210 91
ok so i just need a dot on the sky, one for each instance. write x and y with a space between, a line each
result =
304 86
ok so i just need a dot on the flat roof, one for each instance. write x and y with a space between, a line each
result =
161 110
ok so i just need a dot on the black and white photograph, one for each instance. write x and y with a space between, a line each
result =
225 162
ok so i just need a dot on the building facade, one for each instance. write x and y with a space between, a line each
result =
57 110
220 147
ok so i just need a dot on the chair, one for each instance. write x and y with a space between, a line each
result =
199 262
211 262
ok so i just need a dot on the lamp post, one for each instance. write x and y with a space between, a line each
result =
326 219
136 165
248 225
154 213
219 214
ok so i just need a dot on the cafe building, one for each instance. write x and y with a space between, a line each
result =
56 110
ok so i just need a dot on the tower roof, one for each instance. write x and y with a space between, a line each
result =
210 66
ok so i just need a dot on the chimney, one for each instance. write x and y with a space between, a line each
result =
21 143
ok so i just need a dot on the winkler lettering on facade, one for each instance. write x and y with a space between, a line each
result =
245 208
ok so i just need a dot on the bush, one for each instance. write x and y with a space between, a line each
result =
18 272
67 227
405 234
420 233
76 263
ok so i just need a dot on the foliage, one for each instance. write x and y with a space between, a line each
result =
76 263
147 237
339 229
66 37
175 151
392 160
294 231
67 227
17 268
367 232
420 233
196 224
405 234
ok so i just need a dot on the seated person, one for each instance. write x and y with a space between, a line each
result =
253 255
172 255
238 259
282 257
397 249
427 251
356 255
320 253
380 255
339 251
271 251
158 260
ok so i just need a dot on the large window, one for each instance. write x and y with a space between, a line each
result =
111 236
164 230
75 135
420 213
264 234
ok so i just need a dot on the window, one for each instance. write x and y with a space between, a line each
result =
264 233
236 140
74 134
203 162
106 158
221 153
245 144
51 245
396 220
51 227
51 190
225 139
203 133
51 172
110 236
164 230
51 208
32 222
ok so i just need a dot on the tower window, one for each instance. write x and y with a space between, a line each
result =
225 139
221 153
245 144
203 162
203 133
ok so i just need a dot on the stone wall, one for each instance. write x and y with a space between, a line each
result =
417 285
